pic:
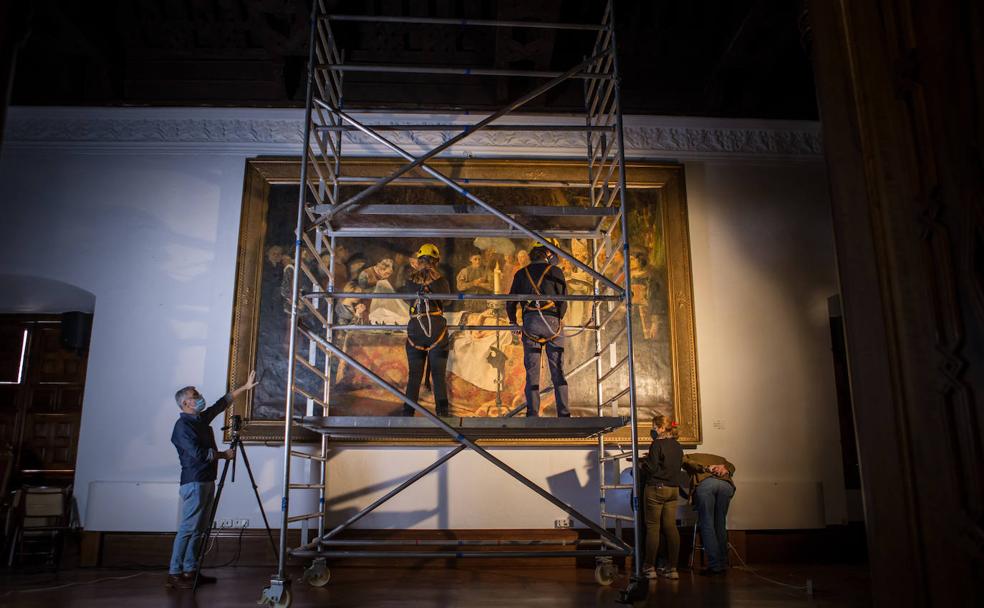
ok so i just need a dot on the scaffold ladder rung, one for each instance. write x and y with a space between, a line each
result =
619 456
308 456
617 516
453 127
408 69
466 21
306 486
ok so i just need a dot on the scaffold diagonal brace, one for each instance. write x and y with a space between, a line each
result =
416 162
478 201
385 498
458 437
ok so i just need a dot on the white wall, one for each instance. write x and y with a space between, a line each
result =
763 266
140 207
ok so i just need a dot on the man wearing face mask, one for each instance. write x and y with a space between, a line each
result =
199 456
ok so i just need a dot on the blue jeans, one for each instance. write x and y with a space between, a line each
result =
712 498
196 503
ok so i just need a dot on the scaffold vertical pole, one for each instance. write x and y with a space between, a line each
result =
638 548
279 584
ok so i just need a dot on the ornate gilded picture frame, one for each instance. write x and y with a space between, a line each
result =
486 379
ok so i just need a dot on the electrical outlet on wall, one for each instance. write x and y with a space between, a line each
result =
562 523
232 523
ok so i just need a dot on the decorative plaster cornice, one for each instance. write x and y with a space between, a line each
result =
258 132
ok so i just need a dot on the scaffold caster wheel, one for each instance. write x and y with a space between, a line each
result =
606 573
318 574
277 595
637 591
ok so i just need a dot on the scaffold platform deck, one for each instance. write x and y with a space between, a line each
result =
360 428
460 221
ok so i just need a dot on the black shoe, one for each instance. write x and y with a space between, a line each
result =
177 581
203 579
712 572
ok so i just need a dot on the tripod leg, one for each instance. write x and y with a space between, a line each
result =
211 522
259 501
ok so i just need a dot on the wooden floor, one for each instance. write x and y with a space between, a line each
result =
406 587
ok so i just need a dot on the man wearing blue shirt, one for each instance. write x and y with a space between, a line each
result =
199 456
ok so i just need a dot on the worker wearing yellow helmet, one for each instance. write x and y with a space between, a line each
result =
427 330
542 325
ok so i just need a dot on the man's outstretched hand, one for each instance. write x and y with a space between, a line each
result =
250 383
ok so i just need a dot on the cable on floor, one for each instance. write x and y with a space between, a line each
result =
149 569
98 580
808 587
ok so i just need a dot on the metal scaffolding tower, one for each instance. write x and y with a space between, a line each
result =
324 215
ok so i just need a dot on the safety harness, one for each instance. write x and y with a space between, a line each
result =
427 314
539 307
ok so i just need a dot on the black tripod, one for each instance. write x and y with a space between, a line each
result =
236 444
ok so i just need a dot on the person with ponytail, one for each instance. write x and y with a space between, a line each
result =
661 494
427 330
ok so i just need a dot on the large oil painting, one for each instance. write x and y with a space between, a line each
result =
485 369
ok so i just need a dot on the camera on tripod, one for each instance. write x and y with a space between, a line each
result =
235 424
236 445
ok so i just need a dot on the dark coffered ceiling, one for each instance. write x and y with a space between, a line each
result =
733 58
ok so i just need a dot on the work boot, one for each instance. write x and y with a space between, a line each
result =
203 579
178 581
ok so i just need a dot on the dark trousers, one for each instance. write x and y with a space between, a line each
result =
661 507
437 358
533 325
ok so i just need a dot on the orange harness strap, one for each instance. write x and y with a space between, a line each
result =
536 288
440 338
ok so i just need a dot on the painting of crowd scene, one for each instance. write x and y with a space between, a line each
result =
485 368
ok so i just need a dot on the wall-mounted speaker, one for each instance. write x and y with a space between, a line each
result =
76 330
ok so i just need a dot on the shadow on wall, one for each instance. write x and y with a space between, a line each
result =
27 294
566 486
394 519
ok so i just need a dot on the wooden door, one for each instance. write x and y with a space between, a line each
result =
41 387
